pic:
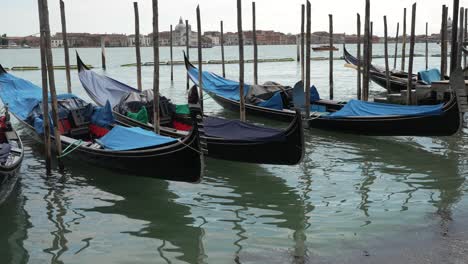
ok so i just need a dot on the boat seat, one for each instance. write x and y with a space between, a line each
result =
79 132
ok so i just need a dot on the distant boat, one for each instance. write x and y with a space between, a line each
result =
324 48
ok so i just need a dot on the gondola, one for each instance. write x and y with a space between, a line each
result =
11 156
91 134
398 79
324 48
356 117
226 139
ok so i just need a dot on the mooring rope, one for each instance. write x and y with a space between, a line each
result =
66 151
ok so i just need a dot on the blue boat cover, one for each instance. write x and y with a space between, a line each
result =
429 76
22 96
275 102
218 85
102 88
103 116
299 95
356 108
237 130
129 138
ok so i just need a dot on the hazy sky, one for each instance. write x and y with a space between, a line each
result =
116 16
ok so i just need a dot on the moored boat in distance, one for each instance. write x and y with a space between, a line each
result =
325 48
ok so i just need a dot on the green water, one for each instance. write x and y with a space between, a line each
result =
352 196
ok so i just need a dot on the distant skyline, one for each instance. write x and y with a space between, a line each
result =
116 16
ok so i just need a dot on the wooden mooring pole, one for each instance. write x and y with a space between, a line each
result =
171 54
460 37
45 92
427 47
302 42
307 61
387 67
396 45
137 45
103 52
255 47
411 55
359 70
240 34
465 36
156 110
223 66
187 49
200 58
443 43
403 44
371 45
454 50
330 56
65 46
50 71
365 75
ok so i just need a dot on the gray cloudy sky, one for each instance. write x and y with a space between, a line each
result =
116 16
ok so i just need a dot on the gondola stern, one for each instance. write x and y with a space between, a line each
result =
81 65
2 70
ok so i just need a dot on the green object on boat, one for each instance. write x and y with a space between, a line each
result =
140 116
183 109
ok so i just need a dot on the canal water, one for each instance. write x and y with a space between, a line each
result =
354 199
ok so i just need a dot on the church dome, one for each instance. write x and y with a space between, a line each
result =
181 25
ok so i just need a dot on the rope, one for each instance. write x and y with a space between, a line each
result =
190 147
66 151
315 114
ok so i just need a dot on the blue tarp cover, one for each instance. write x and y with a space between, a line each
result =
218 85
21 95
103 116
355 108
102 88
275 102
237 130
429 76
128 138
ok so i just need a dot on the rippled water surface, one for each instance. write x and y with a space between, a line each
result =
354 198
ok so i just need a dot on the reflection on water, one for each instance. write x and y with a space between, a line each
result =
349 192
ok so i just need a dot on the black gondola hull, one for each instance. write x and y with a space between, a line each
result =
446 124
179 161
285 152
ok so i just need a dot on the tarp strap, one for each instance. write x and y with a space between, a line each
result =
69 150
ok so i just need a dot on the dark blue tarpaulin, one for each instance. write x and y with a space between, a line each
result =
128 138
102 88
275 102
355 108
237 130
218 85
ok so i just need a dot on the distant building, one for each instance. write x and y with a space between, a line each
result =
145 41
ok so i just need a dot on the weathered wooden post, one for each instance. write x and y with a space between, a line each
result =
465 35
403 45
387 67
443 43
307 62
65 46
359 69
240 34
411 55
103 52
330 56
302 42
427 48
460 37
396 46
454 50
366 62
156 116
255 47
45 92
50 71
137 45
187 49
223 66
200 58
371 44
171 54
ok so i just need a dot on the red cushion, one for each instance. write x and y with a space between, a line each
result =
181 126
97 131
64 126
